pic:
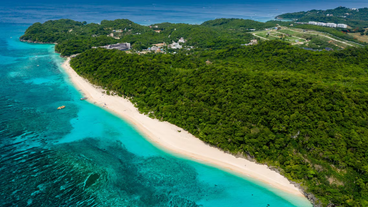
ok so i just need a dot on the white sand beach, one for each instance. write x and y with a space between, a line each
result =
166 136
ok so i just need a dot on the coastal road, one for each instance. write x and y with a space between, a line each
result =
319 33
337 40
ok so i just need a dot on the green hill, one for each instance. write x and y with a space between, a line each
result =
355 18
233 23
74 37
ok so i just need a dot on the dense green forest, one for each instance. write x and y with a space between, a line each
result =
357 19
74 37
303 112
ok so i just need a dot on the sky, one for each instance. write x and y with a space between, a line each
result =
153 11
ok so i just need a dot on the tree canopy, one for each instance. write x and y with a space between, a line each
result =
303 112
355 18
74 37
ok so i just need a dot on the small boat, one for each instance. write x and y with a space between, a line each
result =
84 98
61 107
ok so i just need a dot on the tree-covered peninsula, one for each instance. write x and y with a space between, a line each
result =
356 20
74 37
354 17
302 112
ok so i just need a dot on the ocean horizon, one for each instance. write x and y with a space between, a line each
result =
151 12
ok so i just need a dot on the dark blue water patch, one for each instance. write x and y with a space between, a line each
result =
83 173
31 95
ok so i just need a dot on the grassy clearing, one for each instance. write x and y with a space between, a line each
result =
307 38
363 38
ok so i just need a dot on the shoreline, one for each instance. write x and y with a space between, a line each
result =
166 136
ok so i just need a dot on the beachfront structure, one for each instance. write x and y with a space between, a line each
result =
331 25
321 24
118 46
342 26
312 23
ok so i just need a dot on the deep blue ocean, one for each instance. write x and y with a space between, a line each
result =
155 11
85 156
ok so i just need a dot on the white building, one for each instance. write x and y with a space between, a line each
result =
254 42
118 46
181 40
175 45
342 25
331 25
321 24
312 23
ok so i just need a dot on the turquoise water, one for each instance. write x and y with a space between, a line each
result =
85 156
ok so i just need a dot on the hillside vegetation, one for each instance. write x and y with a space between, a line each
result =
302 112
74 37
357 19
353 17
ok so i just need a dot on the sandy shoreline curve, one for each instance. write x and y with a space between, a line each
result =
166 136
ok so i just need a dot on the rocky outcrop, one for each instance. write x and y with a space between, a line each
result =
315 201
36 42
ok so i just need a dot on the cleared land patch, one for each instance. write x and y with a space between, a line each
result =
363 38
305 38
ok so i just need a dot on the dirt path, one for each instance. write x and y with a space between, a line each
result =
259 36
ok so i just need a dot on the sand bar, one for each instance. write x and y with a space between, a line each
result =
167 137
